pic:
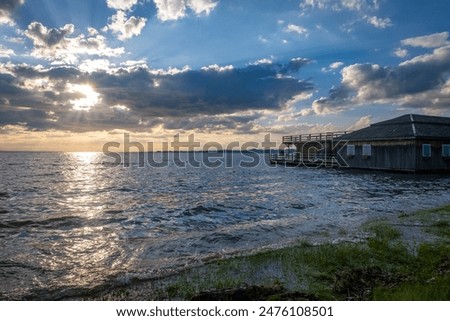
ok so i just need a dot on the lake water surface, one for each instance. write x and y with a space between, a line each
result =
69 222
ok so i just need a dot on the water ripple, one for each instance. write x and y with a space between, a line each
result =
69 223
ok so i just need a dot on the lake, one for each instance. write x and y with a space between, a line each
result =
70 222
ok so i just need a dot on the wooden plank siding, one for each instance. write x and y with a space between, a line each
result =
400 155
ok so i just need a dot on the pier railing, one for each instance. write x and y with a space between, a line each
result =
313 137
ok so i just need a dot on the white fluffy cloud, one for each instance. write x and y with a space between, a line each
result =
291 28
430 41
217 68
361 123
401 53
170 9
176 9
125 28
202 6
57 45
91 65
121 4
6 52
379 22
336 65
321 4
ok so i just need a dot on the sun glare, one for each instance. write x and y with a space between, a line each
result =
84 157
90 99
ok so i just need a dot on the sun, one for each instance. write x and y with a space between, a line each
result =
89 97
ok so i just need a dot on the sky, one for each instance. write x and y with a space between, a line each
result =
75 75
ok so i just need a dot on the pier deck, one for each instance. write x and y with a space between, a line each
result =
313 150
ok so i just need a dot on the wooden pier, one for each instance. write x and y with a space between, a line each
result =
312 150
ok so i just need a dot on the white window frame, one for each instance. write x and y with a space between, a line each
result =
351 150
425 148
367 150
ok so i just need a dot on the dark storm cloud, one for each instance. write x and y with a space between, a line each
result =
141 98
195 92
211 122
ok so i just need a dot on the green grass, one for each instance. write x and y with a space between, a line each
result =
375 270
383 267
434 290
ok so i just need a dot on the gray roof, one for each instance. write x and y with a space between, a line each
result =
404 127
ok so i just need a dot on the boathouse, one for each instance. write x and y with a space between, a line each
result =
412 143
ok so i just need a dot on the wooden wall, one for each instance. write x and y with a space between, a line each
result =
398 155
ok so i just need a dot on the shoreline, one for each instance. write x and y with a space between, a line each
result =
405 257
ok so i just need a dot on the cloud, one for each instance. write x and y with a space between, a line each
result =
401 53
43 37
170 9
91 65
320 4
213 90
363 122
292 28
333 67
7 8
6 52
336 65
294 65
362 9
358 5
123 5
237 121
126 28
430 41
176 9
298 98
55 44
17 40
420 82
379 22
354 5
136 98
262 39
306 112
202 6
262 61
217 68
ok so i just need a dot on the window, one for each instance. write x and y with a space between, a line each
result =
367 150
350 150
426 150
445 150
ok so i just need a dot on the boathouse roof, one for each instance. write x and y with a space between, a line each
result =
409 126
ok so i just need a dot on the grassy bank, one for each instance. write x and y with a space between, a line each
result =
405 258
